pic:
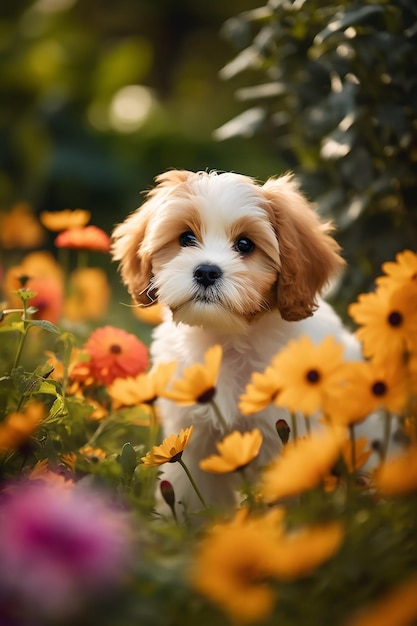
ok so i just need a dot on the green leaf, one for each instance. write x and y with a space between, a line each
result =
127 459
45 325
47 387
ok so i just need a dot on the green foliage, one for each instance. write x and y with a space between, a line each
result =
332 87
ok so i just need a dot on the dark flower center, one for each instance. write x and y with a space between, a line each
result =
176 457
395 318
379 388
115 348
313 376
207 395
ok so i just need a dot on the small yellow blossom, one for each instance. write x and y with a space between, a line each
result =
89 295
170 450
19 228
388 322
148 314
402 271
236 561
16 429
199 381
56 221
368 386
233 564
397 607
144 388
398 475
260 392
305 372
235 452
302 465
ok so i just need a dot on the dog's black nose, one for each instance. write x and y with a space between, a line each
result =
207 275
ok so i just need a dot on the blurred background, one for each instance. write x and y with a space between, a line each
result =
97 98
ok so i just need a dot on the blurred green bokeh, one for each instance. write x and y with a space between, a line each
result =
97 98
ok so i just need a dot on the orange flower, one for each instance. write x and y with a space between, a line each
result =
115 353
19 228
89 295
302 465
18 427
63 220
398 475
397 607
87 238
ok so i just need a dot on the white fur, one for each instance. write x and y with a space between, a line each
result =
240 311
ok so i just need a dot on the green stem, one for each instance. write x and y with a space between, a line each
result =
82 259
153 426
191 479
294 426
387 436
22 338
353 444
220 417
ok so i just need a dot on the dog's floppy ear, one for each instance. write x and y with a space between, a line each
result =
128 239
135 266
309 255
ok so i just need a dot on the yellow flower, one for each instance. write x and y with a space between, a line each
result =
170 450
397 607
260 392
388 321
89 295
232 566
199 381
144 388
148 314
302 465
398 475
235 562
235 451
403 270
16 429
301 551
56 221
367 387
93 454
19 228
305 372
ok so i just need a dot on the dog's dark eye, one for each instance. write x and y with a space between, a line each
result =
244 245
188 239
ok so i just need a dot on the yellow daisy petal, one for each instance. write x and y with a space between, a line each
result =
235 451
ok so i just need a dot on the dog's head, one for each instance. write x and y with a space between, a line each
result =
219 249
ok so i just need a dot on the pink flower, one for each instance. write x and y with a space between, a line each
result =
115 353
59 547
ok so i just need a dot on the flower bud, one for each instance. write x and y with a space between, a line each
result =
168 494
283 431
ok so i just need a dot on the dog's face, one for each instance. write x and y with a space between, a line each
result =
219 250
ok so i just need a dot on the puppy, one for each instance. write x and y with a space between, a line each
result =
237 264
